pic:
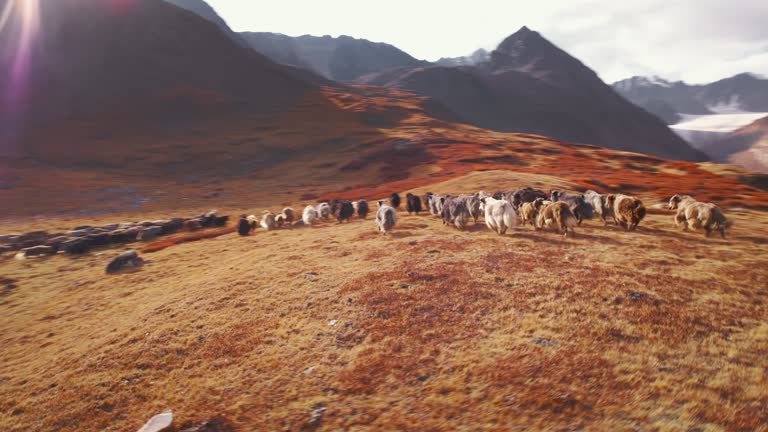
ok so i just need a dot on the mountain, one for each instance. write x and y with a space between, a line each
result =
743 92
145 59
747 146
203 9
340 58
530 85
479 56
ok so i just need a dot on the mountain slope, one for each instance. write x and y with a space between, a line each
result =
149 61
743 92
530 85
340 59
747 146
204 10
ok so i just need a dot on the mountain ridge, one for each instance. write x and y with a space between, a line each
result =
341 58
530 85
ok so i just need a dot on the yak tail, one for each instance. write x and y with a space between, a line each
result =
721 220
389 219
509 217
568 218
639 213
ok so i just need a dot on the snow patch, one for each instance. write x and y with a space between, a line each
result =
722 123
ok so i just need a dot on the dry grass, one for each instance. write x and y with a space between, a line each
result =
429 329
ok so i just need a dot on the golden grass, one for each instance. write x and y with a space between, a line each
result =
428 329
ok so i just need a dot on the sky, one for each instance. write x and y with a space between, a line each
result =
697 41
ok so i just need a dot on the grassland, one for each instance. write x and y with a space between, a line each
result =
338 328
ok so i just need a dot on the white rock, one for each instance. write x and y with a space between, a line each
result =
158 422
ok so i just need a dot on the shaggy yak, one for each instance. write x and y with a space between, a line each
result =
456 212
499 214
254 221
473 205
530 210
279 220
394 200
412 203
386 217
289 215
323 210
362 209
576 203
310 215
526 195
435 205
427 201
268 220
343 210
559 215
600 206
692 214
627 210
243 226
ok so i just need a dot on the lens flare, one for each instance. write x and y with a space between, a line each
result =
19 25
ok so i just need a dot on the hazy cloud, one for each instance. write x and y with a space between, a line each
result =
694 40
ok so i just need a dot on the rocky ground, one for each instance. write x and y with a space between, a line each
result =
336 327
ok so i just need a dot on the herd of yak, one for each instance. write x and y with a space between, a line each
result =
558 210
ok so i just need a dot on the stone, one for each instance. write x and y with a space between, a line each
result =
38 251
76 246
100 239
126 260
158 423
149 233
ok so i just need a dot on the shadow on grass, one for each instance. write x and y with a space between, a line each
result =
401 234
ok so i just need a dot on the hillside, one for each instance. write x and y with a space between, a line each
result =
137 110
431 328
530 85
340 58
150 65
747 146
204 10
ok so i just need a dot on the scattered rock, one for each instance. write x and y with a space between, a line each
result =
149 233
38 251
543 342
99 239
125 260
6 285
173 225
76 246
79 233
33 236
9 238
316 417
193 224
158 422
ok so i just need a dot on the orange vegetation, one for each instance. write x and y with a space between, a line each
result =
336 327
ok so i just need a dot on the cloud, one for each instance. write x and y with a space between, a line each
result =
694 40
